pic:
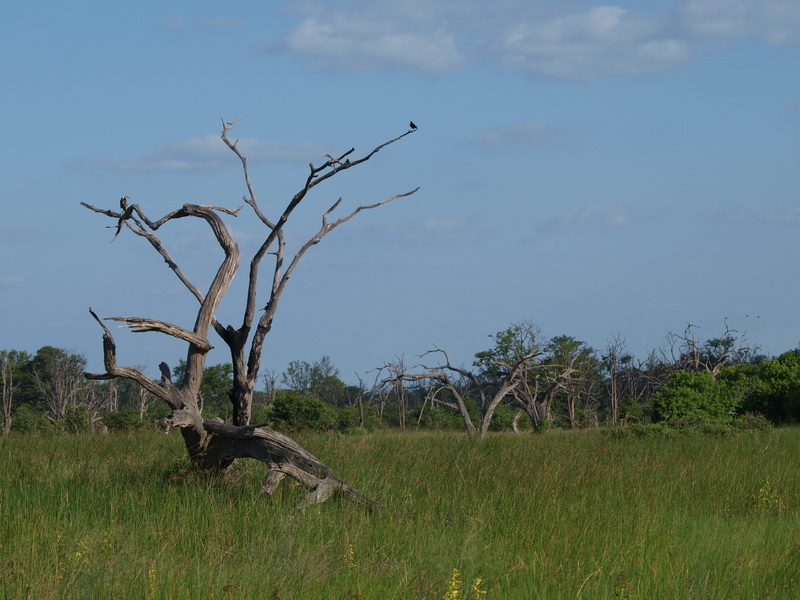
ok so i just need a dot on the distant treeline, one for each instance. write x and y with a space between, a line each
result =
538 383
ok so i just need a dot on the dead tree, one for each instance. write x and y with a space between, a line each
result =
7 388
210 443
615 360
461 383
687 352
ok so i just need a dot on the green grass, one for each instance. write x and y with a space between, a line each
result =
559 515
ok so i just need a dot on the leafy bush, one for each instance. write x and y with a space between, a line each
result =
751 422
774 387
27 420
293 411
126 419
76 420
347 418
503 417
692 424
438 417
260 414
695 394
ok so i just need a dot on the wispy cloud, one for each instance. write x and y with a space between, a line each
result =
519 134
606 41
594 217
433 231
359 42
771 21
538 39
207 153
12 281
788 216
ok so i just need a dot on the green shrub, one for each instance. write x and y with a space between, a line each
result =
157 411
126 419
502 417
347 418
438 418
76 420
695 394
751 422
27 420
294 411
260 414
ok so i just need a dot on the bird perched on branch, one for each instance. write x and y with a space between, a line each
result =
127 211
411 125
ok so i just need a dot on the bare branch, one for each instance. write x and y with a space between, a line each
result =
142 324
251 198
113 370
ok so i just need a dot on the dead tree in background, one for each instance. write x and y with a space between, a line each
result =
616 358
462 384
8 362
211 443
688 352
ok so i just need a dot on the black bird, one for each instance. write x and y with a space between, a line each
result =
411 124
123 202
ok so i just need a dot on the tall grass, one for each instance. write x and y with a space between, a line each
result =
559 515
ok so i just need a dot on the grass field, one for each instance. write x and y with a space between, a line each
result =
557 515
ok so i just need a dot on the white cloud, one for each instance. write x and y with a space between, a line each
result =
591 217
606 41
209 152
539 39
771 21
519 134
362 42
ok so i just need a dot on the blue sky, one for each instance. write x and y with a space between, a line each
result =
600 169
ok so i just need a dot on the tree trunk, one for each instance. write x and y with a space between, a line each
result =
7 382
213 444
515 421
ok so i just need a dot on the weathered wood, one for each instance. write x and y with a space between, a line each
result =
210 443
224 443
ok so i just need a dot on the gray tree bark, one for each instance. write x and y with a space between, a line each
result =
210 443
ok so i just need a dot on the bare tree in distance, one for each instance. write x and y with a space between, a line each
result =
616 358
689 352
212 444
9 362
460 384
